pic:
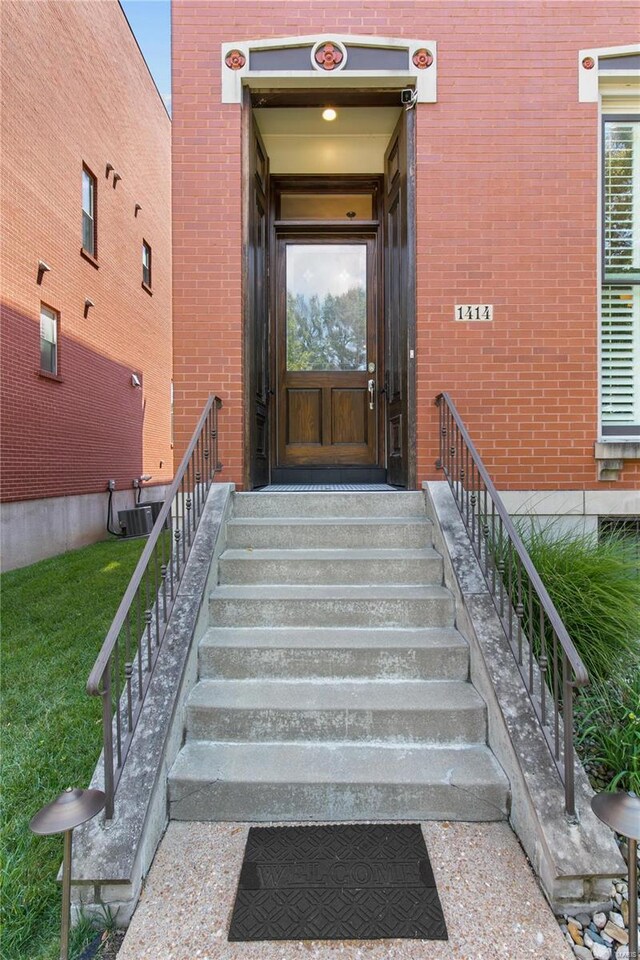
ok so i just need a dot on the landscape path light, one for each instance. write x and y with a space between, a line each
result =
621 812
69 810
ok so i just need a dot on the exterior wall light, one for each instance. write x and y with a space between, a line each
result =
87 304
69 810
135 381
108 170
621 812
42 269
116 177
329 114
136 209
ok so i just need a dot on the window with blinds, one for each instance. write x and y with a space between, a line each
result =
620 300
620 355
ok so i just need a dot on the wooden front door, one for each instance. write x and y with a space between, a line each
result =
256 324
327 346
400 305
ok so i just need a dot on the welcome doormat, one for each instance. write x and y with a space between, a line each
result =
341 882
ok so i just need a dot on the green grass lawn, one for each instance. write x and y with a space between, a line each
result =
55 615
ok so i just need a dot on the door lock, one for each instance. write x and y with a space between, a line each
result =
371 387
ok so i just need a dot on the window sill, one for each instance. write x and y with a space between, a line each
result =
145 286
89 257
46 375
611 454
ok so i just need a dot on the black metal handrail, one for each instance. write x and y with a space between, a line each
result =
124 667
547 659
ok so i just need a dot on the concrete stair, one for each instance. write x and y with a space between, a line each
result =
333 683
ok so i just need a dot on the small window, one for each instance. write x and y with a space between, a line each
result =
326 206
49 320
89 212
146 264
626 528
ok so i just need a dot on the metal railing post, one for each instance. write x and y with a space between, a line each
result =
107 736
569 762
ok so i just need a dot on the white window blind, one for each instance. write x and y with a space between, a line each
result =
620 355
621 200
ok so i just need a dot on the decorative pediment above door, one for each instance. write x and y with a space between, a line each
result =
330 60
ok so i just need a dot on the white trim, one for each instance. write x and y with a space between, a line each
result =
592 90
424 80
604 97
588 79
599 255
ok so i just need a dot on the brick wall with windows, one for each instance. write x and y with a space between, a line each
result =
77 96
506 214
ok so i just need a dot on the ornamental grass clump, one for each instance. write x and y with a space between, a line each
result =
607 718
595 586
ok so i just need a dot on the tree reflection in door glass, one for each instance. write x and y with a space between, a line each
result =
326 306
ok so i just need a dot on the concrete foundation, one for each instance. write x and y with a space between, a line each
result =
571 510
32 530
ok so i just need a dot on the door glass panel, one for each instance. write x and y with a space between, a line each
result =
326 306
326 206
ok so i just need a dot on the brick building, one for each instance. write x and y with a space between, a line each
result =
458 239
85 198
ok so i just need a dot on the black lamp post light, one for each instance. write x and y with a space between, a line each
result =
69 810
621 812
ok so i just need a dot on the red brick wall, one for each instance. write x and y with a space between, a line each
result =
507 189
76 90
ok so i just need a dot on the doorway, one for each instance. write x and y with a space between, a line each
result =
329 302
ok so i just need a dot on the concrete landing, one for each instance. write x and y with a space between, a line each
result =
492 904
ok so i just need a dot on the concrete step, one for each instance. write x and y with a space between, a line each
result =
337 781
294 533
336 606
364 565
408 711
318 652
354 504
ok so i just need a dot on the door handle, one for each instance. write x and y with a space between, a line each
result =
371 387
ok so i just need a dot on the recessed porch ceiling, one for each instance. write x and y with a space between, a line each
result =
298 140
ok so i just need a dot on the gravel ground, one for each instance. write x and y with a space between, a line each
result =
493 906
602 934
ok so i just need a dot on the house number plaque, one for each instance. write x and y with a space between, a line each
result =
474 311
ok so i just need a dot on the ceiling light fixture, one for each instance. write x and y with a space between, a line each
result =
329 114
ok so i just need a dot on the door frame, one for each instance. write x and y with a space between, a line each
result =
328 183
366 98
412 307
